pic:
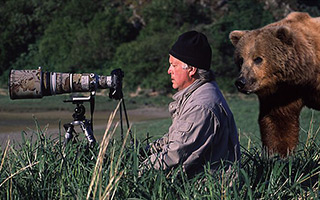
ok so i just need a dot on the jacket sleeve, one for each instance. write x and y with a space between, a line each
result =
157 145
189 136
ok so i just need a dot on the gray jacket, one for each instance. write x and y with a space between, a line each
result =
203 130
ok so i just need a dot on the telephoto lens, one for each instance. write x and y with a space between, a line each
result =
30 84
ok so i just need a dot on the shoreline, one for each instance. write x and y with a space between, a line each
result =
13 123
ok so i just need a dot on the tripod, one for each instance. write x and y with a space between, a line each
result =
79 119
87 125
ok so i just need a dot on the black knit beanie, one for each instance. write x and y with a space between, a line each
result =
193 49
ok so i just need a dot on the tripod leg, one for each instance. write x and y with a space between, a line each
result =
121 124
68 136
86 128
127 120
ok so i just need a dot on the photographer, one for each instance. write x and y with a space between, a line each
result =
203 129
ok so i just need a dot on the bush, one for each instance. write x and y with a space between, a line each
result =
145 61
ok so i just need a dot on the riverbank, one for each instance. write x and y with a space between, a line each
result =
13 123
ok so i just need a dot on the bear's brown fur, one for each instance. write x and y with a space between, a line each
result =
281 64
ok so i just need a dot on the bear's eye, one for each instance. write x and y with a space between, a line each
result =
239 62
257 60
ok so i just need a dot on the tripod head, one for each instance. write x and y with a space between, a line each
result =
80 110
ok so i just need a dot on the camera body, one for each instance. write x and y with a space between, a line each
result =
30 84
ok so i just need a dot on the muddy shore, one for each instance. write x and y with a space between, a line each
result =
13 123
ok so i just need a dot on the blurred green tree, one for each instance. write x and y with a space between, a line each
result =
100 35
145 60
80 38
22 23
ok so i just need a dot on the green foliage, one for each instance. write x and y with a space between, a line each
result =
55 47
66 35
92 36
145 61
21 24
81 40
160 14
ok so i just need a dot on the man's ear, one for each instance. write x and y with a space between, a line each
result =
192 71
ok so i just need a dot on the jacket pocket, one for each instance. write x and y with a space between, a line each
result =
180 132
184 126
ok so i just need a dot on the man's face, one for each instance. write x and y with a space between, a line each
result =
181 78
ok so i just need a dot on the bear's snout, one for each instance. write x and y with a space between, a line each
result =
245 86
240 83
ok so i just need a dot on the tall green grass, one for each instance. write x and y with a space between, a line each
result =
42 168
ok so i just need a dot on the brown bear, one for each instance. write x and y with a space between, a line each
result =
280 62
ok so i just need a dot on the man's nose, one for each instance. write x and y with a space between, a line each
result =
169 70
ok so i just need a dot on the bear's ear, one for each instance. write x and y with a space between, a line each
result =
284 34
235 36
